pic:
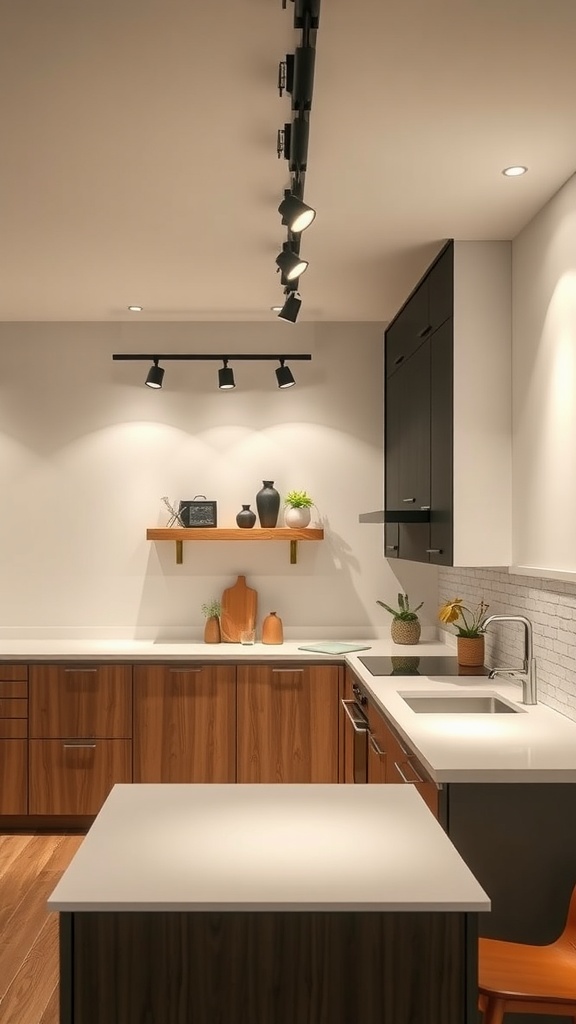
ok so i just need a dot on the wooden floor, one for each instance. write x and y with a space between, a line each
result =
30 866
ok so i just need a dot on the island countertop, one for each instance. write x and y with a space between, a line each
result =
266 847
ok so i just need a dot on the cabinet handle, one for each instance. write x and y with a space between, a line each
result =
408 499
80 669
409 781
425 508
359 722
391 547
79 746
398 360
287 669
425 331
376 748
433 551
184 671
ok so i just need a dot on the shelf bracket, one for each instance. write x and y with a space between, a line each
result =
179 552
293 552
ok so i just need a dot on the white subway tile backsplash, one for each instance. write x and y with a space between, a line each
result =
551 607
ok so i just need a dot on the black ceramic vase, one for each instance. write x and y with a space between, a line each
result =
268 504
246 518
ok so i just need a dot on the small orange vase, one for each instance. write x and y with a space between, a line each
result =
470 650
272 631
212 630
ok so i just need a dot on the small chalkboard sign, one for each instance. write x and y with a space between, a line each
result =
197 512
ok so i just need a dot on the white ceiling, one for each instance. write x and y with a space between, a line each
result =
138 156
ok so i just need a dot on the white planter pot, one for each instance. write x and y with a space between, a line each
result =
297 518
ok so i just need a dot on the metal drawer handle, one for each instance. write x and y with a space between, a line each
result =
287 669
409 781
409 499
79 746
433 551
376 748
391 547
398 360
356 717
425 331
80 669
184 671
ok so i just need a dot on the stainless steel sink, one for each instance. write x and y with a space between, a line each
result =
458 704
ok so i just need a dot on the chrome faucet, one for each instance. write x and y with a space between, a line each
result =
528 673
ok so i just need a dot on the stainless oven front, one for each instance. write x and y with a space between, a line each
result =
355 737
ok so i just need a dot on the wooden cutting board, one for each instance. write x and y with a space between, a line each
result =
238 612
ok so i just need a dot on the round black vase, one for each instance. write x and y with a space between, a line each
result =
268 504
246 518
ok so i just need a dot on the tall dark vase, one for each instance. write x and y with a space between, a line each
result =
246 518
268 504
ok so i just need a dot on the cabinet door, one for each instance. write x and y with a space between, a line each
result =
184 723
80 701
409 329
377 755
392 762
407 441
13 775
75 777
441 288
288 723
441 445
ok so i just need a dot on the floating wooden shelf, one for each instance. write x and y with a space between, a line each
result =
179 534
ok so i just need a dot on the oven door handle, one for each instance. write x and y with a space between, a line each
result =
359 721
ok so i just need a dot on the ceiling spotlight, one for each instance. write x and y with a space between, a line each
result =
226 377
295 213
290 264
514 172
290 310
155 376
284 377
135 309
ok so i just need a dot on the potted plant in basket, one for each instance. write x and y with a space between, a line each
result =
297 505
211 610
405 628
470 634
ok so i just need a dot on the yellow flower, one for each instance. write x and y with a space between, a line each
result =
450 611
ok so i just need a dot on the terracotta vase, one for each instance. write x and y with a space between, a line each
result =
272 631
405 631
470 650
212 630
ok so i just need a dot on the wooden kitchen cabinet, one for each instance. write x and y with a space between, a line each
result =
288 723
80 736
184 723
448 412
13 739
390 760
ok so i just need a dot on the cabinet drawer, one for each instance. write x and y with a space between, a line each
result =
75 776
13 776
11 688
13 707
13 672
81 701
13 728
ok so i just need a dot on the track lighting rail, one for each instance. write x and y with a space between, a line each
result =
145 356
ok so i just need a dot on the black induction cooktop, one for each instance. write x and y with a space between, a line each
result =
414 665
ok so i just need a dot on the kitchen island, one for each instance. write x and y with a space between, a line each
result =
240 904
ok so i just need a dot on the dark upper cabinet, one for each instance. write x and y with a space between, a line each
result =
448 412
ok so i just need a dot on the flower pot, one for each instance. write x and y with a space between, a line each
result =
470 650
296 518
405 631
212 630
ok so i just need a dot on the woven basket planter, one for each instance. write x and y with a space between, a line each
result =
470 650
405 632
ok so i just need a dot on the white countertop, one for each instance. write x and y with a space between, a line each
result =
266 847
536 745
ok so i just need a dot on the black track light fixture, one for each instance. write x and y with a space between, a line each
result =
284 376
226 380
290 263
155 376
291 308
295 213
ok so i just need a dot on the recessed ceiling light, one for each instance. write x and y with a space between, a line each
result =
135 309
514 172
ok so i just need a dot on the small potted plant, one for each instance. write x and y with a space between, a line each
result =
405 628
470 634
211 610
297 505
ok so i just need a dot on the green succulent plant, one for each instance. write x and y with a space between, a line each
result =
298 499
403 611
